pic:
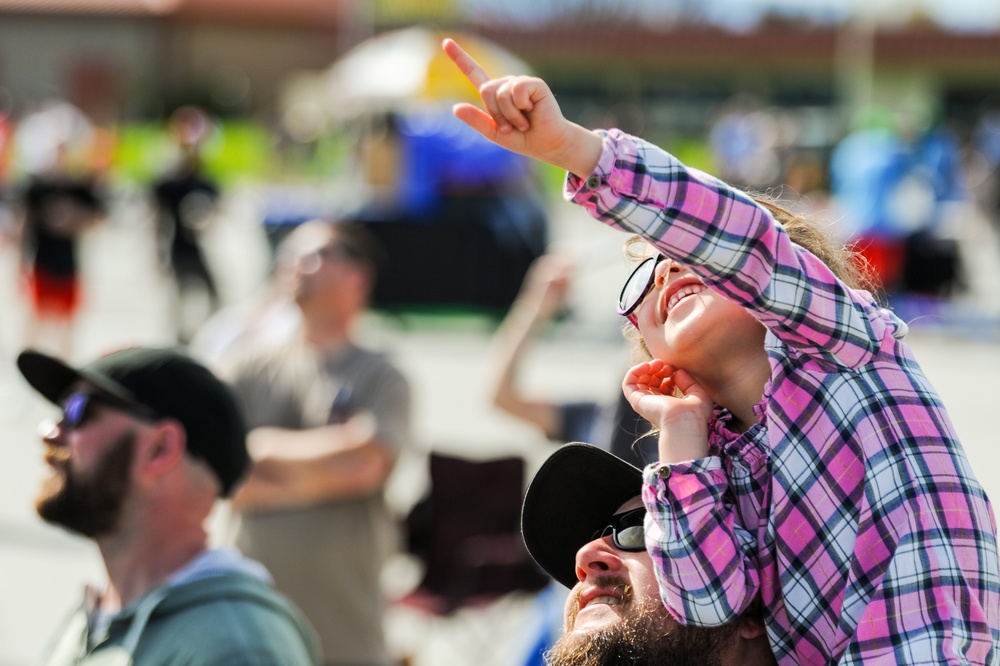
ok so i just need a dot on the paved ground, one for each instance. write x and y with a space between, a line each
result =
42 569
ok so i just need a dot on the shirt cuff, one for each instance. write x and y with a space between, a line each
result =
660 472
684 486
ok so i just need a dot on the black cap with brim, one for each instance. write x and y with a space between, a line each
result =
169 383
573 495
53 378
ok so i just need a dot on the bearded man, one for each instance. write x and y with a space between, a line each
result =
147 441
582 522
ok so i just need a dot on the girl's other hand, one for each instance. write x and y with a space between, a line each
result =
675 403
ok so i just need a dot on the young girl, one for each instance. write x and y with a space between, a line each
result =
810 462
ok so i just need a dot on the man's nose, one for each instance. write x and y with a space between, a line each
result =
597 558
308 263
50 432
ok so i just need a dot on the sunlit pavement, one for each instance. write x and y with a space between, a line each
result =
42 569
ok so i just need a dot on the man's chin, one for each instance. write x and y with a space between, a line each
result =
640 636
90 505
586 648
51 497
53 485
65 512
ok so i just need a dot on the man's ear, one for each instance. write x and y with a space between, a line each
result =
751 628
165 448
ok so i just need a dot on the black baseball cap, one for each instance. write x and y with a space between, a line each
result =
573 495
168 382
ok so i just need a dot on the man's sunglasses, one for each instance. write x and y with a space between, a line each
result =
627 532
311 261
637 286
78 407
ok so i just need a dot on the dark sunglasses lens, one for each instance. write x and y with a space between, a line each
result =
75 409
629 533
636 285
631 538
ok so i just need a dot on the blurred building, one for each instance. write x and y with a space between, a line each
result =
677 74
120 59
141 58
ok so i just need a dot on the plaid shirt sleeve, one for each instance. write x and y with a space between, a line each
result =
734 245
704 559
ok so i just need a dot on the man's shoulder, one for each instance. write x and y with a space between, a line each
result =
294 363
373 373
233 618
370 359
227 616
262 358
241 594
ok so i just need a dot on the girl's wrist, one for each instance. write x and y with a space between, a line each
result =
673 455
682 442
581 152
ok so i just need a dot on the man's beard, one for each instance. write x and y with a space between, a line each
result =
643 637
90 505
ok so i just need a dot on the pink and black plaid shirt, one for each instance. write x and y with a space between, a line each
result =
850 507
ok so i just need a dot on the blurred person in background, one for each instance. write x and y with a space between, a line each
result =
59 202
8 234
898 184
985 143
327 419
185 199
612 425
982 159
582 522
744 139
933 265
148 441
6 136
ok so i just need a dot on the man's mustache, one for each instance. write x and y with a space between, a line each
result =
58 458
617 583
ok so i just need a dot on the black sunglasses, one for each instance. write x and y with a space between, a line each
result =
637 286
78 407
333 252
627 532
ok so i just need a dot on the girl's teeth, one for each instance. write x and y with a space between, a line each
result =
686 291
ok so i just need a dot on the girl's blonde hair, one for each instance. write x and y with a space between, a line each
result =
846 263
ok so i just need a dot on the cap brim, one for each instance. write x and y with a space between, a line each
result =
53 378
575 493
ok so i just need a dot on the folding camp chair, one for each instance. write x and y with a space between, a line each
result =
466 534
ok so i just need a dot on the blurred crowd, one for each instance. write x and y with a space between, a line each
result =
911 188
58 180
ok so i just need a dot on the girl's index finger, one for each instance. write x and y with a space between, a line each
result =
466 64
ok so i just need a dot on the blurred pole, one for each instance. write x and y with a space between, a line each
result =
356 23
855 64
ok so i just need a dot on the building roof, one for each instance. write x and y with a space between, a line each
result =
780 45
292 13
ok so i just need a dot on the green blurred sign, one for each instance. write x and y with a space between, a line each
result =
414 11
236 150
